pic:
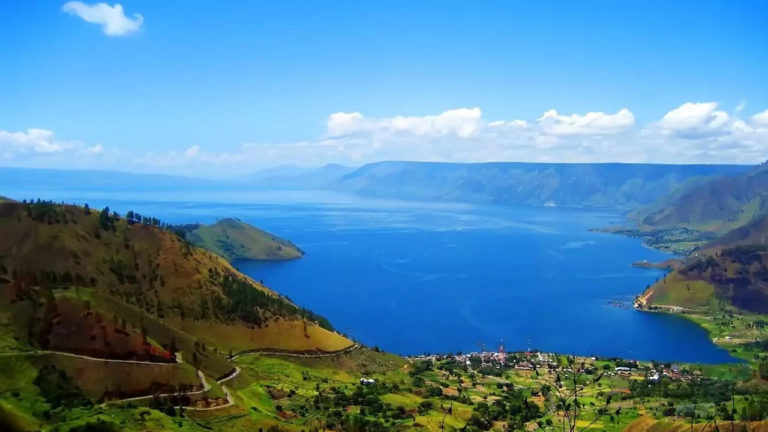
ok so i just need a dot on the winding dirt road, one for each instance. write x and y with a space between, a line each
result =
346 350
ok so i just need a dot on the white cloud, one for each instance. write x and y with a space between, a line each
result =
591 123
36 140
760 119
740 107
696 120
192 151
112 19
462 122
690 133
41 144
95 149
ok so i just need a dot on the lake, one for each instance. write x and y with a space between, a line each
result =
413 278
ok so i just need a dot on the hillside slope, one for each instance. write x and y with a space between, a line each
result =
234 239
738 275
48 250
755 232
506 183
719 204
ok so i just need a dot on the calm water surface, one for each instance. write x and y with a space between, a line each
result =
413 278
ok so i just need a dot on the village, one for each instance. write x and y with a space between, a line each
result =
534 360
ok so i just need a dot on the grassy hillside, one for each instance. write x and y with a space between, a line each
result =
109 324
51 249
234 239
719 204
754 232
737 275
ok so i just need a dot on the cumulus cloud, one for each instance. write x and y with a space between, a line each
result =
591 123
192 151
760 119
462 123
35 140
98 148
696 120
693 132
112 19
36 143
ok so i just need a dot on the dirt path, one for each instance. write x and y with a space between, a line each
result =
206 387
346 350
230 402
85 357
235 372
200 375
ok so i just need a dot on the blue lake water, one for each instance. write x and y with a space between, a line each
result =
413 278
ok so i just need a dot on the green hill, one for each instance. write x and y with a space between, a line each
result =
111 324
735 274
718 205
58 257
754 232
234 239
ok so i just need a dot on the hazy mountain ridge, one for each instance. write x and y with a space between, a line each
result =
718 204
610 185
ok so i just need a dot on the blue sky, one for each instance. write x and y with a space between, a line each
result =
215 88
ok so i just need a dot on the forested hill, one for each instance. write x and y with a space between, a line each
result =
50 250
610 185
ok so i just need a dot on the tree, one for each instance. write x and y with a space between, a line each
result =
570 381
105 220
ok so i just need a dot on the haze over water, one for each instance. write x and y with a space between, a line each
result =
414 278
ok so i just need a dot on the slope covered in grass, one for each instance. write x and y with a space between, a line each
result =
234 239
48 248
719 204
754 232
736 274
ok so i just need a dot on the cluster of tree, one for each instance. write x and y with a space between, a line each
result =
45 211
755 408
705 389
246 302
58 389
513 407
22 280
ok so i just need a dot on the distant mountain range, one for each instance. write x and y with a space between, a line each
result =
609 185
612 185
